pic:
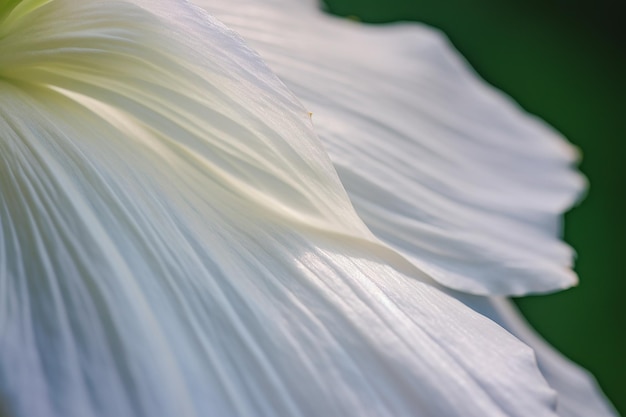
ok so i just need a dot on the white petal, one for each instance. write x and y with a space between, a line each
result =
173 242
578 392
437 164
130 63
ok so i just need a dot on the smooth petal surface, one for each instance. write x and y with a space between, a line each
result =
437 164
174 242
578 392
107 55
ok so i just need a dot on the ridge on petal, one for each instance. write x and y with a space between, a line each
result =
579 394
174 242
142 72
439 165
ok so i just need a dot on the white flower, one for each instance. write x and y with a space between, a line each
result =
440 166
174 240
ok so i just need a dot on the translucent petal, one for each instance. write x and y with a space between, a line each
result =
174 242
578 392
124 57
437 164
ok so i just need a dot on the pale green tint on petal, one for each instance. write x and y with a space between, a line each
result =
11 11
437 164
132 288
262 151
174 242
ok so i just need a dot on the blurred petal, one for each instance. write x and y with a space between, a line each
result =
437 164
578 392
174 242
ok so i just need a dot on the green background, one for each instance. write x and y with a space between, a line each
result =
564 61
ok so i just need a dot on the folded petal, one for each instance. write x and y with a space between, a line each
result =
578 392
174 242
125 60
437 164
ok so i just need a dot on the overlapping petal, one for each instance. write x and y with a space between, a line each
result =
579 393
174 241
437 164
122 58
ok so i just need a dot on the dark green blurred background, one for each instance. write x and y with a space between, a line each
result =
564 61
